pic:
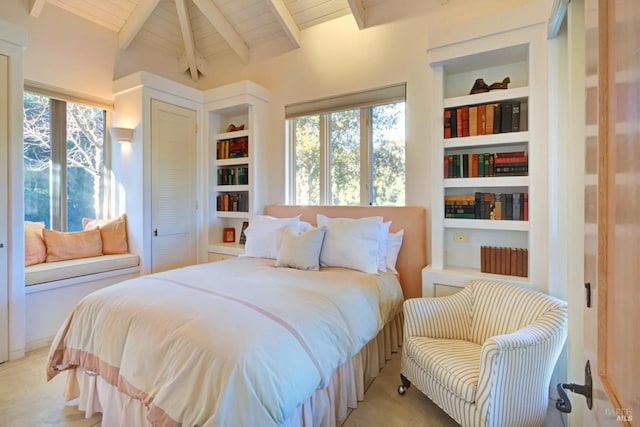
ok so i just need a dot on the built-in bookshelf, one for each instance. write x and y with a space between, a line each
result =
489 192
236 116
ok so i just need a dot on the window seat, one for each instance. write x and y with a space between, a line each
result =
52 271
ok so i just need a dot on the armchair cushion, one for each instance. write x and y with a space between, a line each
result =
454 364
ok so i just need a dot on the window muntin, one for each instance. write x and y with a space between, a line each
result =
64 162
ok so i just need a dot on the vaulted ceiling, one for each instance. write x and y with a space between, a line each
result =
198 31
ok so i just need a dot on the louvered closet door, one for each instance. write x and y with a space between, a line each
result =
173 186
4 187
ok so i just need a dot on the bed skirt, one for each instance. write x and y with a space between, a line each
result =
328 407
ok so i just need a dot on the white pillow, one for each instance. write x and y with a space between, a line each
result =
301 251
350 243
264 235
305 226
393 248
383 239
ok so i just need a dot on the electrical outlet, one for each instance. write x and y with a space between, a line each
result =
460 238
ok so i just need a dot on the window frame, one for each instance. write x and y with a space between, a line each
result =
58 100
366 149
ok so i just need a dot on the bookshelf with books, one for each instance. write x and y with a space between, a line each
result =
236 116
489 195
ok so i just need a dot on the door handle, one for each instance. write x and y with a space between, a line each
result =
563 404
155 232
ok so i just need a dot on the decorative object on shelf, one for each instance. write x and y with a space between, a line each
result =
504 84
229 235
243 237
234 128
479 87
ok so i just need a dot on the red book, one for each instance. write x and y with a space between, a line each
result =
459 122
511 154
525 215
474 165
519 159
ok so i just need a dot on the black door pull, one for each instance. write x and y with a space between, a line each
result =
563 404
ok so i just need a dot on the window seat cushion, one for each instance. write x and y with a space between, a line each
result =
51 271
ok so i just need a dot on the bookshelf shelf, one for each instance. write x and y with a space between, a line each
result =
456 242
494 181
494 140
232 188
238 161
227 248
231 135
232 214
487 97
486 224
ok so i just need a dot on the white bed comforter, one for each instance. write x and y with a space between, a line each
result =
238 342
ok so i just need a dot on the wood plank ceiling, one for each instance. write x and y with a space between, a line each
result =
197 32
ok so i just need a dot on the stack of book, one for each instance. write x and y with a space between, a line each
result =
462 206
486 119
232 148
233 202
475 165
494 206
233 175
507 261
515 163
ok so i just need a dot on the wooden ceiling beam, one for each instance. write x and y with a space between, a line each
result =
286 21
35 7
357 10
135 22
187 38
222 26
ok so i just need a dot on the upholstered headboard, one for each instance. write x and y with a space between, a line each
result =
412 257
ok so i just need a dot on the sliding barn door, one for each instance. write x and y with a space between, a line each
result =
173 186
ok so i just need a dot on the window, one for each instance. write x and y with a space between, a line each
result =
348 156
64 162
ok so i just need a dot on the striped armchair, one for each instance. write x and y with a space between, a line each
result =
485 355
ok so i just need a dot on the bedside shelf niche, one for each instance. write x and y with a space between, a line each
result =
235 161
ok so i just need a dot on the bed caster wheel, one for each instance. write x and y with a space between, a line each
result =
401 390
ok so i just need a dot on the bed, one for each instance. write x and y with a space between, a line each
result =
240 342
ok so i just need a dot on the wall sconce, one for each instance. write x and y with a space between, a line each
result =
121 134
